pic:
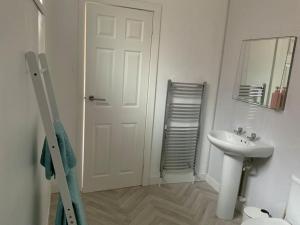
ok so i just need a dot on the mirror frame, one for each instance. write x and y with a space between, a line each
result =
239 75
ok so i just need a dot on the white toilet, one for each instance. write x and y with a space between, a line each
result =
292 216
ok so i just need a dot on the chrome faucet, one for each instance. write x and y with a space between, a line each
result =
252 137
239 131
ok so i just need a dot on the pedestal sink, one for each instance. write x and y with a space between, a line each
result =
235 148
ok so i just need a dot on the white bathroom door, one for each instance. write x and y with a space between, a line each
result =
118 43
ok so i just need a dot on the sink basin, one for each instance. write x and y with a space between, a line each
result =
235 149
236 145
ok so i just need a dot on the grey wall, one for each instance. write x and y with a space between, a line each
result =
24 194
256 19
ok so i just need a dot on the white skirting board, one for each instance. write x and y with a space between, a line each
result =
201 177
213 183
154 180
183 177
186 177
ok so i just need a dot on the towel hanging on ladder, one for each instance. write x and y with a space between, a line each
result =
58 156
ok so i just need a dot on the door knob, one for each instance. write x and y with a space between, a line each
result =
92 98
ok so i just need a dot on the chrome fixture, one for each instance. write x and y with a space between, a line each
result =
181 133
252 137
239 131
92 98
265 87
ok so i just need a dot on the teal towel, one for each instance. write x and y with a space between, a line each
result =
69 162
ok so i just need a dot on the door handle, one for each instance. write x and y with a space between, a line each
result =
92 98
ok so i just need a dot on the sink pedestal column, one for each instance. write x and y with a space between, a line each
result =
231 177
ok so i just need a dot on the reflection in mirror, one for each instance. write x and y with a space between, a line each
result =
264 71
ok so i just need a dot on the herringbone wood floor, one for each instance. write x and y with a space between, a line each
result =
169 204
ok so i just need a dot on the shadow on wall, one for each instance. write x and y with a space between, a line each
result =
40 183
36 214
202 126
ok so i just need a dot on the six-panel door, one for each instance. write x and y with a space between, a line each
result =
118 42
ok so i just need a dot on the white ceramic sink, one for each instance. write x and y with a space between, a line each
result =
236 148
233 144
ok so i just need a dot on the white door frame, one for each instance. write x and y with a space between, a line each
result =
157 10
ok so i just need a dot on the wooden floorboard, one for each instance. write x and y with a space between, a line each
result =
169 204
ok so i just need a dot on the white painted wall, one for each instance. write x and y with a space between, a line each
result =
24 192
62 55
62 47
255 19
190 51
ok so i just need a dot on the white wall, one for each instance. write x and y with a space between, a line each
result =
62 47
191 41
255 19
24 194
62 55
190 51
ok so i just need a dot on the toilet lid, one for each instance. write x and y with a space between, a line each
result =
253 212
265 221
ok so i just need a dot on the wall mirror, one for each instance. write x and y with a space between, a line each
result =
264 70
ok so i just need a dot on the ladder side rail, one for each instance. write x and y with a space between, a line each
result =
49 86
45 112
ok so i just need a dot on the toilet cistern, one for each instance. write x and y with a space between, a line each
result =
236 148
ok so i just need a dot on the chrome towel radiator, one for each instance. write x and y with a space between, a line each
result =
181 132
254 94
